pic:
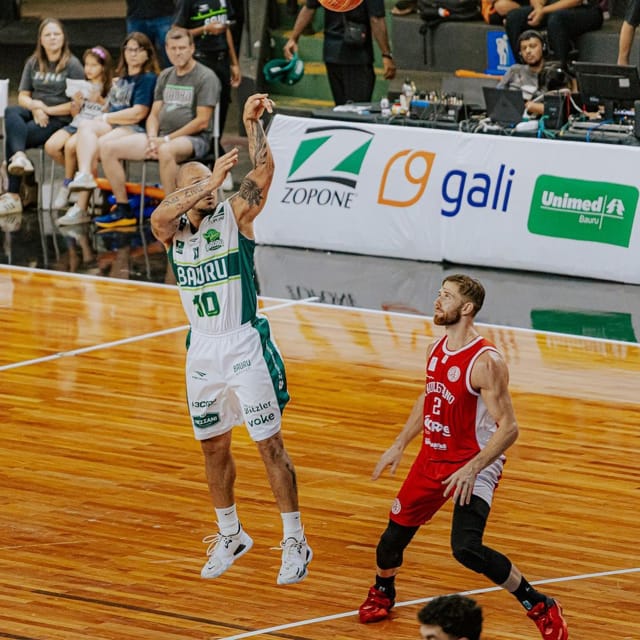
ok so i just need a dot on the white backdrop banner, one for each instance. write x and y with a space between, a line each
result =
424 194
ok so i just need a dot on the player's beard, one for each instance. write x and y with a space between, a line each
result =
443 319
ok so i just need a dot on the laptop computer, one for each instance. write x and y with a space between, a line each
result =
504 106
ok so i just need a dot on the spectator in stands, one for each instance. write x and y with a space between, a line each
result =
130 100
526 74
453 617
564 20
153 18
43 106
628 30
61 146
404 7
349 60
215 48
179 127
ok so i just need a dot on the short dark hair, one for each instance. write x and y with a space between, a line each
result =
469 288
458 616
175 33
531 33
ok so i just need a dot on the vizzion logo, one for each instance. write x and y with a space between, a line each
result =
332 155
583 210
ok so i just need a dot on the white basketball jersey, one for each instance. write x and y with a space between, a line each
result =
214 269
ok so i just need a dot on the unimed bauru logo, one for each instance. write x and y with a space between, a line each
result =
583 210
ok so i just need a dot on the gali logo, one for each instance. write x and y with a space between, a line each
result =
327 154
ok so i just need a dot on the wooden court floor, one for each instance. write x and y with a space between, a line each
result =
104 504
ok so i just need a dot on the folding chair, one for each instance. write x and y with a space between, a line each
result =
215 139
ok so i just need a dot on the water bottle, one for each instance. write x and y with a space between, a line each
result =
385 109
406 95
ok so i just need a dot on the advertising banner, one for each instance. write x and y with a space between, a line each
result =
500 201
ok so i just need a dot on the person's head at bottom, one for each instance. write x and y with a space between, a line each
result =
452 617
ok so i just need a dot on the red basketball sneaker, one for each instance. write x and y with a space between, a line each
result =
549 620
376 607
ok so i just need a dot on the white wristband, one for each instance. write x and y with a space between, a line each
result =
166 138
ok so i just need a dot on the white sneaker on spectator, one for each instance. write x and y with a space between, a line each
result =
19 164
223 551
82 182
227 184
9 204
75 215
296 555
62 198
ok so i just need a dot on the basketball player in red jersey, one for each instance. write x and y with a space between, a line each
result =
466 397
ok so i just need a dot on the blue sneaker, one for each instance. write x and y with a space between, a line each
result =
119 216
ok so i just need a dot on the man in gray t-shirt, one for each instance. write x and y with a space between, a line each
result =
179 126
526 76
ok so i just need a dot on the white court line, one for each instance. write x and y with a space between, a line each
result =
144 336
346 614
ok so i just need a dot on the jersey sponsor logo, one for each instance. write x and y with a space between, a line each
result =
441 389
213 239
206 421
179 247
433 426
439 446
202 404
453 375
215 270
256 408
433 362
241 366
396 507
261 419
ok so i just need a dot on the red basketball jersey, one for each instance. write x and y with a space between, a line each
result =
457 424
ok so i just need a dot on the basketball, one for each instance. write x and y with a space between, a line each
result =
340 5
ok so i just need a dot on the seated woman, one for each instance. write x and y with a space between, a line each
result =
564 21
130 101
43 106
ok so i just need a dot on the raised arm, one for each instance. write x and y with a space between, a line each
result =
250 199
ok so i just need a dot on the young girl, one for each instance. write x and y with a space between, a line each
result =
61 146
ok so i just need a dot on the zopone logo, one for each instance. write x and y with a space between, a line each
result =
583 210
330 154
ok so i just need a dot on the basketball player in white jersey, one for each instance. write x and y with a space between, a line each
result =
234 371
466 397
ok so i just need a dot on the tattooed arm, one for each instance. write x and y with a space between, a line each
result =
251 197
197 189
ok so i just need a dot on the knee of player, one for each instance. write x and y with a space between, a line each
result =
469 554
391 546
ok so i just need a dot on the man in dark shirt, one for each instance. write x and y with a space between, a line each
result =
349 64
628 31
564 21
210 24
153 18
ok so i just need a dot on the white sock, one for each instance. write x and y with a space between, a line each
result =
291 525
228 520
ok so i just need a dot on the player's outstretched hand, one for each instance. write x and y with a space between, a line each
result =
256 105
223 165
390 458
